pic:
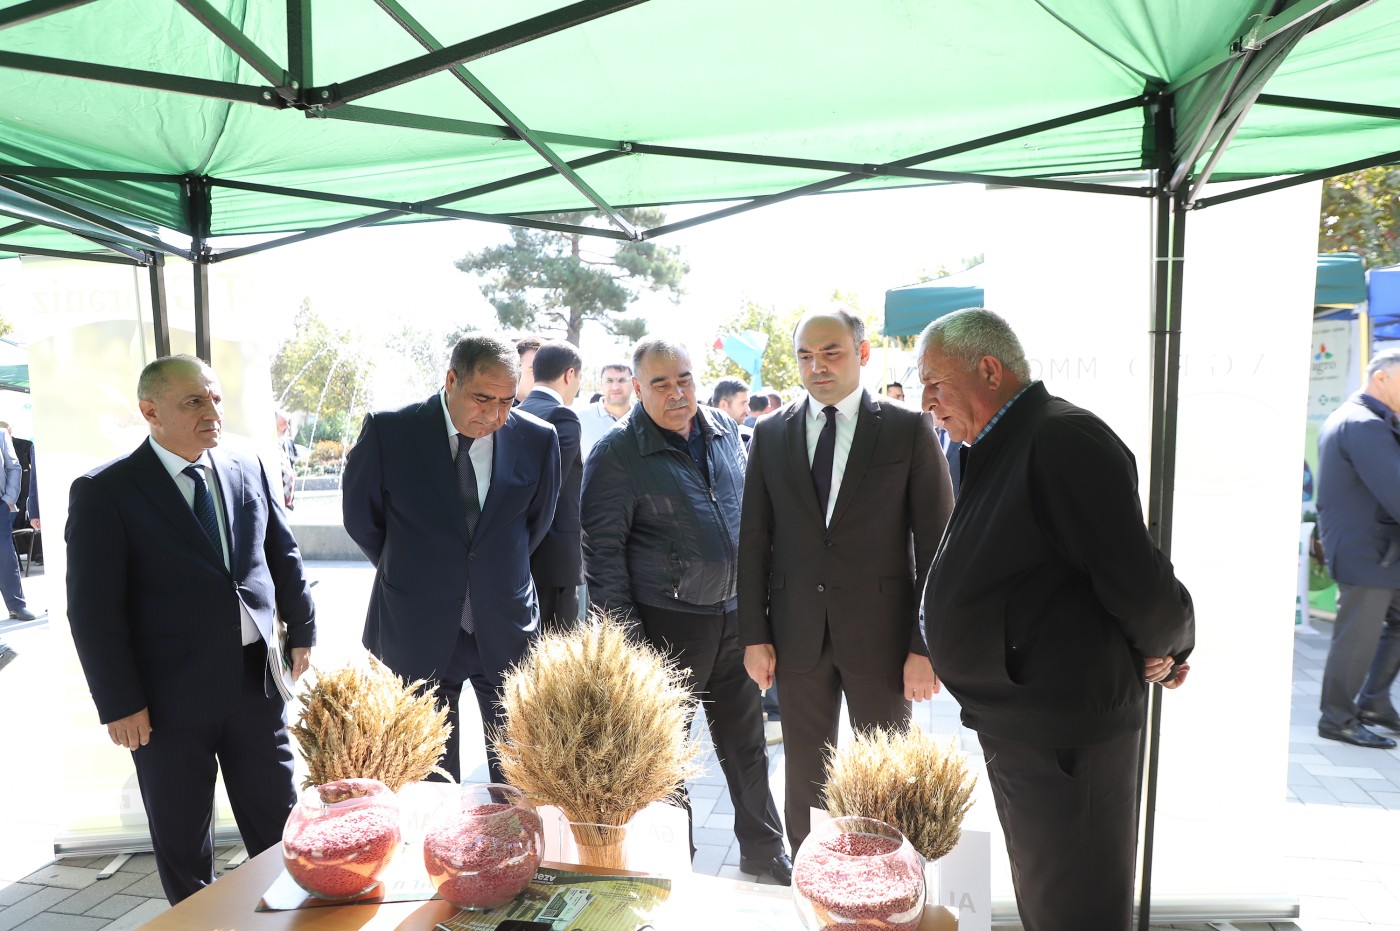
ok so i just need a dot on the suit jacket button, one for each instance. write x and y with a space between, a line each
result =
471 555
821 588
826 542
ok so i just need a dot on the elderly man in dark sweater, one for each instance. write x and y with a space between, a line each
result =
1048 610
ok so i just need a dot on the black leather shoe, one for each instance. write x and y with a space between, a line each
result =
779 868
1358 735
1386 719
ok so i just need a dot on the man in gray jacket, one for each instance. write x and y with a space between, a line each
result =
1358 508
660 510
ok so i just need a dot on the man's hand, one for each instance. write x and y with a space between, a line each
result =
33 522
301 661
1158 668
760 661
132 731
920 681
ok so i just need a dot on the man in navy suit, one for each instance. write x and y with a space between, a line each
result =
179 562
450 536
557 566
1358 509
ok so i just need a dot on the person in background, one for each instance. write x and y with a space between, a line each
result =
179 566
287 454
557 565
526 347
1358 510
661 498
844 501
10 585
731 395
1048 611
600 416
775 401
758 406
895 391
447 498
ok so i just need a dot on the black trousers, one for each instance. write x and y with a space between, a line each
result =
177 769
1367 629
558 607
811 703
708 644
465 666
1070 819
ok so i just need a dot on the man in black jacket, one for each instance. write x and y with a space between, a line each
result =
557 565
1047 610
661 496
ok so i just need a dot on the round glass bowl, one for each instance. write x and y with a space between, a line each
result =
482 847
341 837
858 872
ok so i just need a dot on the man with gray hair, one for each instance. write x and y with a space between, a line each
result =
1358 510
448 498
661 496
1048 608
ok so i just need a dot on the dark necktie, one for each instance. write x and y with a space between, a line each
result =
824 458
204 509
471 500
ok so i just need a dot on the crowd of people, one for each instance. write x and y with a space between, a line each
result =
807 551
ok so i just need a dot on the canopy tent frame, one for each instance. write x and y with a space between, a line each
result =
1188 125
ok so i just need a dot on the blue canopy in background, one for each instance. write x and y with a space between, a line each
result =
911 308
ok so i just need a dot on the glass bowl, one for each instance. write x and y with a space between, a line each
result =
341 837
858 873
483 846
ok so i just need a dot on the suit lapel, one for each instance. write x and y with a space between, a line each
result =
796 429
858 459
436 455
155 482
503 457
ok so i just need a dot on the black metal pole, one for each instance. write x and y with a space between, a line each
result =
160 310
201 306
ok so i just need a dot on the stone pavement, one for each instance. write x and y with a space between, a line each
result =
1345 864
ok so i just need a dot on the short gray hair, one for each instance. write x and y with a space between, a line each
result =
480 350
1385 359
155 378
657 346
965 336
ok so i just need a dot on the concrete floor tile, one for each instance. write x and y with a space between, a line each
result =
1298 775
52 921
142 863
148 886
68 877
1315 795
10 893
717 837
1345 790
116 906
139 915
1343 772
80 903
30 906
708 858
1387 800
724 805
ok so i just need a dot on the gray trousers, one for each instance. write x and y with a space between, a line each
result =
1362 612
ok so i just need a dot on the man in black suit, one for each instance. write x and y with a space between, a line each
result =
557 566
1048 610
179 563
450 535
844 502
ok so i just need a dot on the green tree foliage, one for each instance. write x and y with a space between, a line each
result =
548 282
322 374
779 361
1361 214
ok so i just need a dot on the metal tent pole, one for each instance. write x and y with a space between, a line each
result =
160 311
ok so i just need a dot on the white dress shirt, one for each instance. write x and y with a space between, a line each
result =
176 466
846 410
480 452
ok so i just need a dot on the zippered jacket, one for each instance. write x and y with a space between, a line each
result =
655 532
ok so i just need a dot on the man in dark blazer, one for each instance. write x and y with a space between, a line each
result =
1358 508
1048 611
179 564
450 536
557 566
845 498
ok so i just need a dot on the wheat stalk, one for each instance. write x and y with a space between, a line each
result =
366 722
906 779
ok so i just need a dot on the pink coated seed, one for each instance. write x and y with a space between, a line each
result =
853 883
484 856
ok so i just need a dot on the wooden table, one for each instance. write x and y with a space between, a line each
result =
697 901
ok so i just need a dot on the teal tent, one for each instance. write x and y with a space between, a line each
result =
911 308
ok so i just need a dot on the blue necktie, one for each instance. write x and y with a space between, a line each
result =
471 500
204 509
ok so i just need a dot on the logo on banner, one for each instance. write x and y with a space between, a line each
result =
1321 353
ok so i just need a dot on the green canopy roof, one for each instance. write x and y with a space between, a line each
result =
145 126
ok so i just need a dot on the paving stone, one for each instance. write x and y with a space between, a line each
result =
724 805
142 863
1388 800
116 906
1342 772
1345 790
53 921
139 915
68 877
714 836
1298 775
14 892
148 886
1315 795
81 903
15 915
708 858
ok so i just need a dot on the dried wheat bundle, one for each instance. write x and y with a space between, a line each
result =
596 724
365 722
904 778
